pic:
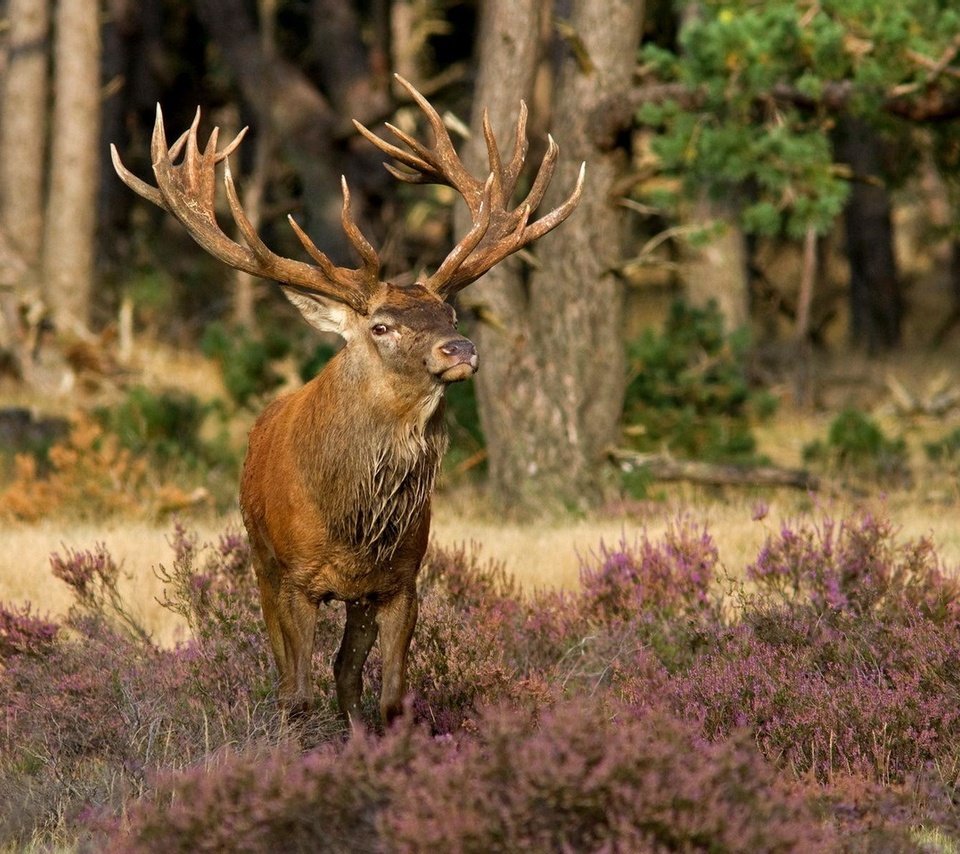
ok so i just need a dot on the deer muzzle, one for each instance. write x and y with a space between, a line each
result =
457 360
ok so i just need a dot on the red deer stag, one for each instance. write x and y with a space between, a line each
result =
336 486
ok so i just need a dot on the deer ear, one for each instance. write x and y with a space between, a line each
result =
322 313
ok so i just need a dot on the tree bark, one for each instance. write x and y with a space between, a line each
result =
68 253
717 271
876 307
23 126
551 388
300 117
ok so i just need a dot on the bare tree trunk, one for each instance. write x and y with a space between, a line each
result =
551 388
23 124
245 285
717 271
68 254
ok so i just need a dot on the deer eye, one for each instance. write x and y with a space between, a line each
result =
379 329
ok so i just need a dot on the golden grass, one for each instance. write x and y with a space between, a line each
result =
540 556
25 574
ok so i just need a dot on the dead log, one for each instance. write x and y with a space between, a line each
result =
665 467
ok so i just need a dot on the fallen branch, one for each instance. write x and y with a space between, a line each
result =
665 467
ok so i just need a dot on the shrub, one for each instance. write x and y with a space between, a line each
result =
244 360
169 426
24 633
633 579
689 390
857 565
857 446
945 449
90 475
842 662
93 706
585 777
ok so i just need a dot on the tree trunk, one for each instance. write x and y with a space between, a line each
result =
876 307
551 388
23 124
68 253
717 271
299 116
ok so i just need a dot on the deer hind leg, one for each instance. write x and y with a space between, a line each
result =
358 638
291 625
396 619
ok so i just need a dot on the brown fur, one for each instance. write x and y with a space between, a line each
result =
336 486
336 496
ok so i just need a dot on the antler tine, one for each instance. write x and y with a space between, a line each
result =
410 177
496 166
544 174
497 231
405 157
492 252
142 188
519 155
321 258
371 261
257 246
158 140
233 146
443 159
187 191
559 214
463 249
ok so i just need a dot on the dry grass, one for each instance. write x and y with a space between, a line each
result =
540 556
25 566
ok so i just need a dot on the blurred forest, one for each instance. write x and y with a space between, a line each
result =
786 173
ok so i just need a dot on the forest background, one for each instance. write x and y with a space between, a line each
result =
786 171
714 445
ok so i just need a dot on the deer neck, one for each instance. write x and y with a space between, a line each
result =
375 454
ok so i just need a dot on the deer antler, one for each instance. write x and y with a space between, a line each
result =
187 191
498 230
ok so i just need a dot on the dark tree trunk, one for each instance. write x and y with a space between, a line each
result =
300 117
876 306
551 388
353 80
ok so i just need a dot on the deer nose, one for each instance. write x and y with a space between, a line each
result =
459 347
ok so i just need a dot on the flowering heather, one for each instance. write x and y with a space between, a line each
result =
672 575
854 565
586 777
632 715
24 633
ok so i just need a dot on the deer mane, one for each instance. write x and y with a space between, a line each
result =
375 491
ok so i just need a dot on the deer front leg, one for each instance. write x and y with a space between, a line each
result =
396 619
291 624
358 638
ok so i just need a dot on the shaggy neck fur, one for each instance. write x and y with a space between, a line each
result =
377 462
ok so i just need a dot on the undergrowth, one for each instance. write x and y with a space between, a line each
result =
662 706
689 390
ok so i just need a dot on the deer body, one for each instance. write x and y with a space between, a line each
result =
335 496
337 482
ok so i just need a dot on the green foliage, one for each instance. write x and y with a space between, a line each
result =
689 391
756 73
165 423
169 426
463 422
244 360
945 449
856 444
315 360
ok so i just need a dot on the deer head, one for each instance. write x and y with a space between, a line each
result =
337 480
